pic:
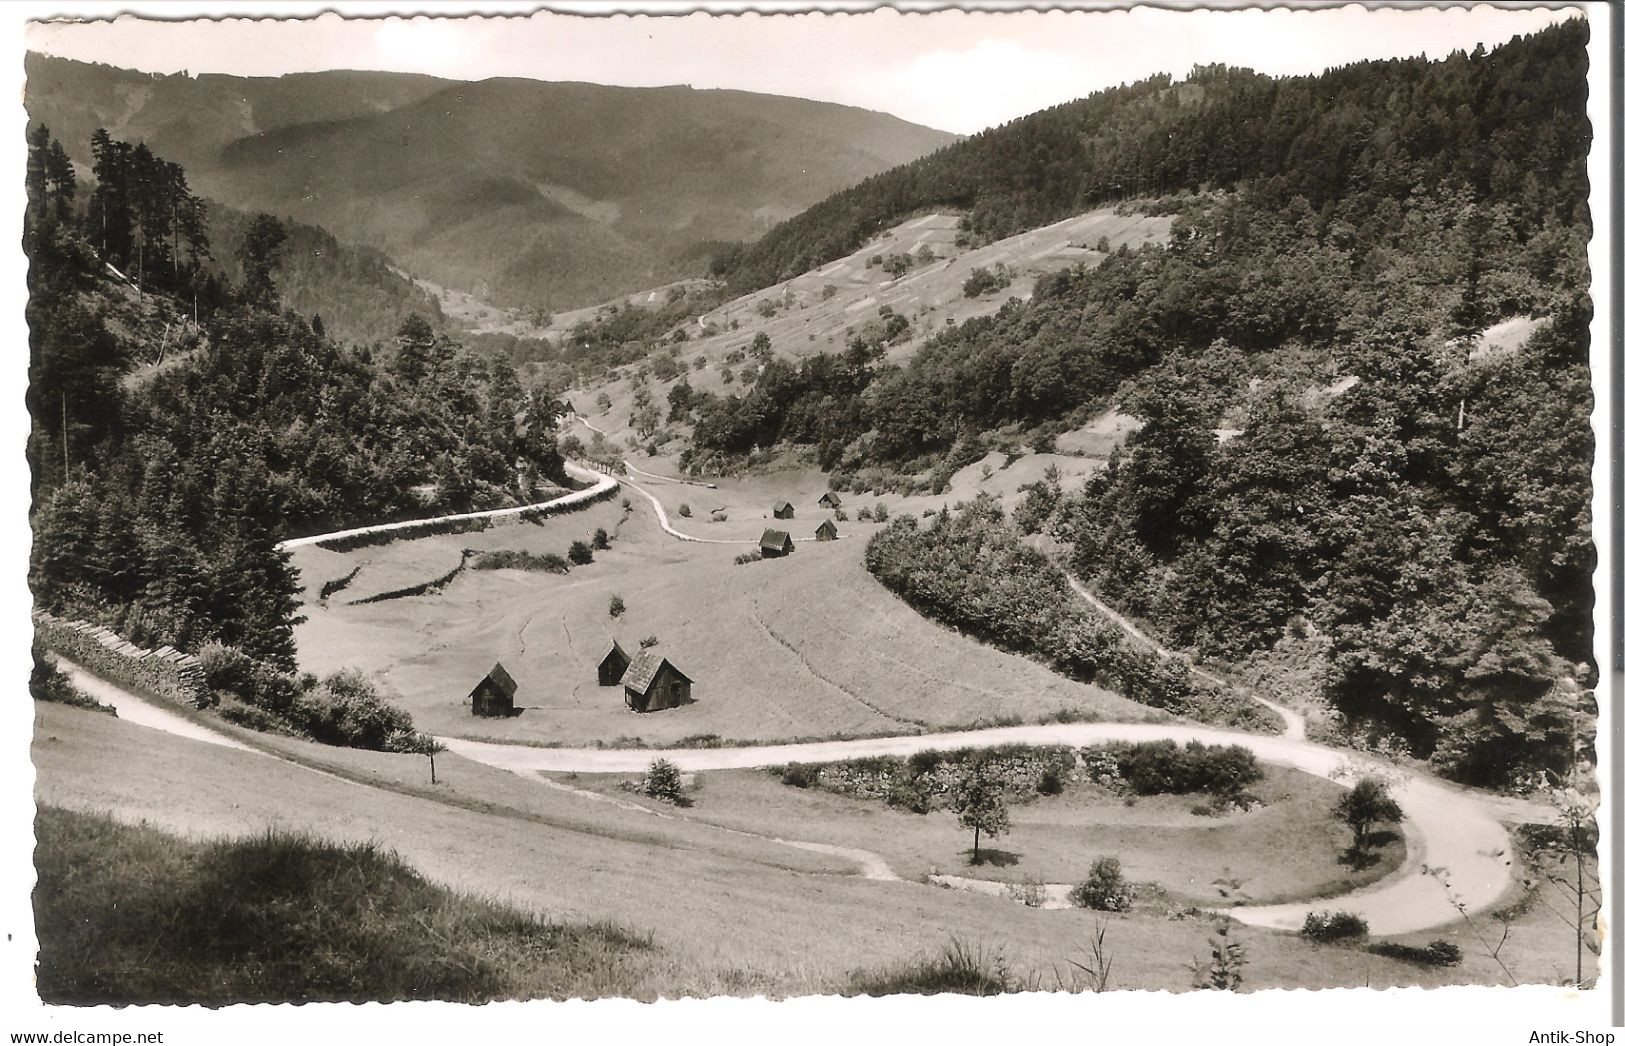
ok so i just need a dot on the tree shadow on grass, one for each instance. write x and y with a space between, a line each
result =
1370 854
997 858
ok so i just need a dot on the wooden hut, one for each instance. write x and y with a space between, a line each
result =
783 510
612 666
653 683
492 697
775 543
830 499
826 531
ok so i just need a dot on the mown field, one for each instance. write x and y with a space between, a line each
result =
808 646
797 922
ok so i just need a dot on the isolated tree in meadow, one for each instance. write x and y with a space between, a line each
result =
979 800
1367 803
580 553
664 781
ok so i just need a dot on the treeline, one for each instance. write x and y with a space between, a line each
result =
971 569
164 483
1507 124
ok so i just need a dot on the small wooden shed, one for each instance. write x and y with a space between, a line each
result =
654 683
783 510
492 697
826 531
830 499
612 666
775 543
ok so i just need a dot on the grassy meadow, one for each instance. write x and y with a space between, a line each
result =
809 646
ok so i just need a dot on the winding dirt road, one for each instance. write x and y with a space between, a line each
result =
1457 852
601 484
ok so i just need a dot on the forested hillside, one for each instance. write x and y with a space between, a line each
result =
354 291
1503 124
171 455
1334 482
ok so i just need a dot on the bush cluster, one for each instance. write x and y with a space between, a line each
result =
1105 890
344 708
1434 953
1162 767
519 559
1334 926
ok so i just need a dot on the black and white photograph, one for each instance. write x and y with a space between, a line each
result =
856 510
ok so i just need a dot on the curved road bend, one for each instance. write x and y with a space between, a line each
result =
1446 828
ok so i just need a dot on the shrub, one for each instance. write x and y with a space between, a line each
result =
580 554
600 538
648 641
684 511
347 709
1434 953
801 775
1051 781
881 512
866 513
1105 890
617 606
753 556
840 515
508 559
664 781
1334 926
908 793
1160 767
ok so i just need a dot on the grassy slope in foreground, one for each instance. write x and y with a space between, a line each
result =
787 932
132 914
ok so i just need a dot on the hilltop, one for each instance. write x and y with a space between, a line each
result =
525 192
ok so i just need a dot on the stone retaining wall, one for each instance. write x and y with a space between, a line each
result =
165 672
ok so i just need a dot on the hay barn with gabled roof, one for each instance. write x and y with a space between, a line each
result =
612 666
783 510
653 683
826 531
492 697
775 543
830 499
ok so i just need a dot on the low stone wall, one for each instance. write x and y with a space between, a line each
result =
165 672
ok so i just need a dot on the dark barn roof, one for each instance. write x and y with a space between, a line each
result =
499 677
780 506
643 670
615 648
777 540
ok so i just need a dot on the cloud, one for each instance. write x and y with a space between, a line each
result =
989 83
428 45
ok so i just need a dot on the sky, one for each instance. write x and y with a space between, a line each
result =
954 70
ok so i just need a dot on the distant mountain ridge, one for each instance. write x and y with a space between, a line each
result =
529 192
